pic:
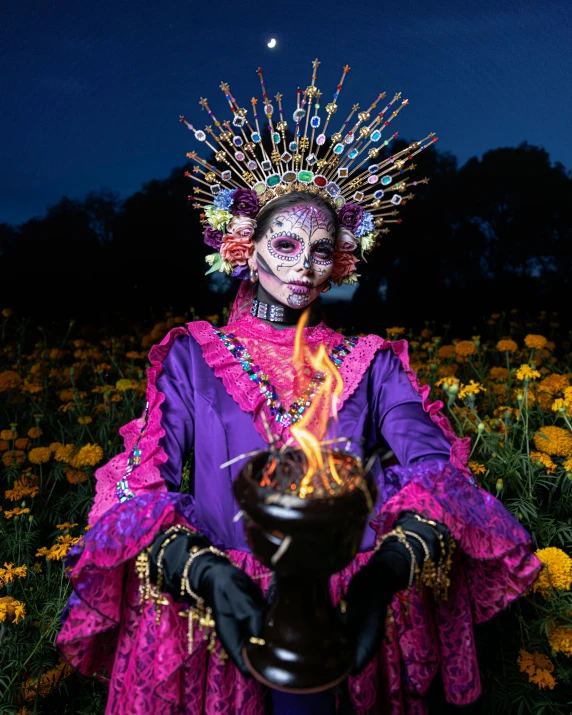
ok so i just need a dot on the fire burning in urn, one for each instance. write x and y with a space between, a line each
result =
305 508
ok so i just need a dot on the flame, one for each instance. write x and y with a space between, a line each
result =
324 405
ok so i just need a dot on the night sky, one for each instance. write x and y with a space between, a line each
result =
90 92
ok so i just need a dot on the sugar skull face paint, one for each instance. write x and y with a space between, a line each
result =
296 255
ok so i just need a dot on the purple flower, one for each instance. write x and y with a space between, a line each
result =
245 203
213 238
366 225
241 272
350 216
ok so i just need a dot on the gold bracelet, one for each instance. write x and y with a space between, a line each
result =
185 584
439 579
400 534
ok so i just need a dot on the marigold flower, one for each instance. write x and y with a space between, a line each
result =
560 638
10 573
75 476
3 445
59 549
558 571
9 380
498 373
85 420
8 434
12 458
88 456
124 385
477 468
394 332
568 465
544 459
39 455
65 526
473 388
535 341
11 608
15 512
22 443
43 686
507 346
446 352
525 372
63 452
464 348
22 488
553 440
553 384
538 667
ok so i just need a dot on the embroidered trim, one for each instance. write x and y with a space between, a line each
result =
298 407
122 490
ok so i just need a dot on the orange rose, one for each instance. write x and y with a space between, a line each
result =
236 249
344 264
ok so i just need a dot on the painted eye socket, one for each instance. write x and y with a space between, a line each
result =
284 245
285 248
323 252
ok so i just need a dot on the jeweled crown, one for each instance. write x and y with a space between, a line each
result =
342 170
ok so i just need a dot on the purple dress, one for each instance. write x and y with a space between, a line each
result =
202 400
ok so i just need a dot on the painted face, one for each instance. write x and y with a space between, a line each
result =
295 257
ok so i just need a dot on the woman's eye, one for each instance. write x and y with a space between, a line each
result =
324 252
284 246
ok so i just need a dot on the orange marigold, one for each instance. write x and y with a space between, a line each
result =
12 458
34 432
535 341
558 571
75 476
11 608
498 373
464 348
553 440
560 638
538 667
9 380
40 455
446 352
88 456
507 345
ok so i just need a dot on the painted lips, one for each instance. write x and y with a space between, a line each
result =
300 287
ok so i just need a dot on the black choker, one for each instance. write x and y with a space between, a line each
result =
266 311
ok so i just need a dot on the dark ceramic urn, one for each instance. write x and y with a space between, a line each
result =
305 647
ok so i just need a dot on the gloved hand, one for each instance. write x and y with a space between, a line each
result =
373 587
237 603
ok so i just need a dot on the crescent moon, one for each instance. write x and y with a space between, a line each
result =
272 43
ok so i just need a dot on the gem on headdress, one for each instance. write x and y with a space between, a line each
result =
200 135
378 194
311 159
252 165
286 157
315 122
256 138
299 114
238 121
373 168
349 138
237 141
239 156
215 189
321 139
259 188
226 174
338 149
372 179
353 153
333 189
396 199
306 177
276 138
320 181
266 165
288 177
375 136
342 172
358 196
386 180
273 180
340 201
293 146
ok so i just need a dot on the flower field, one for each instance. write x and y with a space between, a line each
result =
65 391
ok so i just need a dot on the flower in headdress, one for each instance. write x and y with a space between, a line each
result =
245 203
344 265
368 241
235 249
241 226
347 240
366 225
223 199
350 216
218 218
213 238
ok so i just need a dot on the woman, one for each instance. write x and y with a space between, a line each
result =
218 394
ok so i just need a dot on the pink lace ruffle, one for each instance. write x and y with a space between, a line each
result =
146 476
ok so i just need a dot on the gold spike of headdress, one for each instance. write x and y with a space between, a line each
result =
346 171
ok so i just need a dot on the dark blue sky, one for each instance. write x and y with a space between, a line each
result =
90 92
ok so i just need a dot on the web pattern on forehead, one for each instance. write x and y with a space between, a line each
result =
306 217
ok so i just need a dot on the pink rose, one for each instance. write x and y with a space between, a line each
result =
344 264
346 240
241 226
236 249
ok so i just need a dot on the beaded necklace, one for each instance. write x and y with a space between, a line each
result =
283 416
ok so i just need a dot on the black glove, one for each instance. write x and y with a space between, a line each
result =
373 587
237 603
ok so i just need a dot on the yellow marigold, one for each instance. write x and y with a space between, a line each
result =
12 458
85 420
553 384
553 440
22 488
559 405
560 638
75 476
15 512
507 346
88 456
40 455
63 452
558 571
535 341
124 385
446 352
393 332
473 388
544 459
10 573
11 608
66 525
525 372
59 549
465 348
538 667
9 380
477 468
568 465
8 434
